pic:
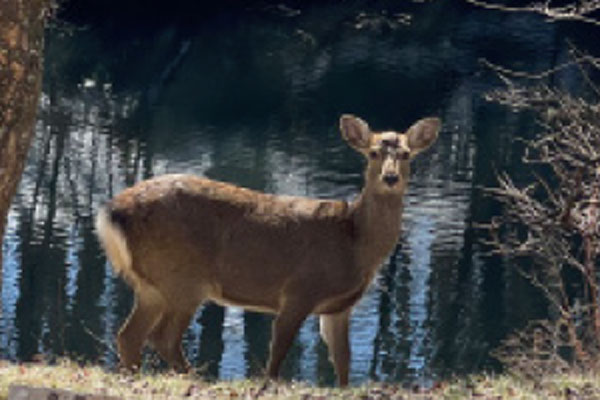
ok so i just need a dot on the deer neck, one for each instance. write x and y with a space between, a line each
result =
377 219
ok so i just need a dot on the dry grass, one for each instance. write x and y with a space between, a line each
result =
94 380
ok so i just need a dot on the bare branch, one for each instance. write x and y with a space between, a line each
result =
553 222
571 12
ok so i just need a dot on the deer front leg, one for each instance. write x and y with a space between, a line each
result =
284 329
334 331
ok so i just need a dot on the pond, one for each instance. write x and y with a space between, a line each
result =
252 95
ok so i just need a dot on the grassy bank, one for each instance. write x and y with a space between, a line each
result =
94 380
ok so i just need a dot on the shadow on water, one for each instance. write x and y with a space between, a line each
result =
252 96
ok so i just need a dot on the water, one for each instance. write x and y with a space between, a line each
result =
252 96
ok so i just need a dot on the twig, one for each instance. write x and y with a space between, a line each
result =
553 13
100 340
577 61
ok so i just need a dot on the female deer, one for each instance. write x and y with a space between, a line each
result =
180 240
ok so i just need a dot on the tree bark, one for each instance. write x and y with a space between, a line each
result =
22 25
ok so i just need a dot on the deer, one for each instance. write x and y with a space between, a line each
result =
180 240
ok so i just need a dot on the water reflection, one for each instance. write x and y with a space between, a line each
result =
253 98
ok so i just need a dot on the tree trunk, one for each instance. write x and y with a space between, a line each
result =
21 53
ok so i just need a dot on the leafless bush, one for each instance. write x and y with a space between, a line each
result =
550 230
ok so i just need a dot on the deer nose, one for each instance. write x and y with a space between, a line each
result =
390 179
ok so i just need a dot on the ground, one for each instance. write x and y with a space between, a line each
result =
70 376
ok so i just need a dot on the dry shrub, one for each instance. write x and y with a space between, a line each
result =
550 229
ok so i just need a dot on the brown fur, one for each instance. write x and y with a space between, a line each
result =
180 240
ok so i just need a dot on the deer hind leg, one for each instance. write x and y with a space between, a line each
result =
146 313
284 329
167 336
334 331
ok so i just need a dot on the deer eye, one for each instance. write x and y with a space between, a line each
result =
404 155
373 154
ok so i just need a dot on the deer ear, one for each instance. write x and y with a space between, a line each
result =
423 134
355 131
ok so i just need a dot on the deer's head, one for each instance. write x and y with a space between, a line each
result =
389 153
